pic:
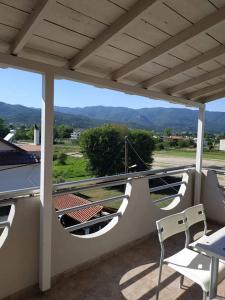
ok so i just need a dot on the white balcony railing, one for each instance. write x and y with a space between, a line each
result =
134 219
102 182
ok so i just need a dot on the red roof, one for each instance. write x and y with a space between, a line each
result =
30 147
70 200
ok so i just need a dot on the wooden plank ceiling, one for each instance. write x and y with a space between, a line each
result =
173 46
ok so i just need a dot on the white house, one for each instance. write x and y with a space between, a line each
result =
222 145
19 169
75 135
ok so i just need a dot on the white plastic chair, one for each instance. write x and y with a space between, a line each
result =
196 214
187 262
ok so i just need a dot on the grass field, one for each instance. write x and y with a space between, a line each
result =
211 155
74 169
103 193
66 148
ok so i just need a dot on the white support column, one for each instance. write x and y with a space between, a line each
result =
46 181
199 154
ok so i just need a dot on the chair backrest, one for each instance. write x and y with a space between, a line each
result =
171 225
195 214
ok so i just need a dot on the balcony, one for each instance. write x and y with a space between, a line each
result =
129 273
160 50
120 261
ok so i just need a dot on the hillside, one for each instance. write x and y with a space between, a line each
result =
146 118
22 115
152 118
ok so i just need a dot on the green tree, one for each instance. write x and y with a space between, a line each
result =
167 131
141 146
24 133
104 148
30 133
61 158
183 144
64 131
4 129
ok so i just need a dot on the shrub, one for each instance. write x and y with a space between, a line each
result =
104 148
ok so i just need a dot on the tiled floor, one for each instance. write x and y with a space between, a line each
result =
130 274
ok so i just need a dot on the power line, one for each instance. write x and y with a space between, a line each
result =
146 164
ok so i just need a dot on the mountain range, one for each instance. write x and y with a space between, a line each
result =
146 118
178 119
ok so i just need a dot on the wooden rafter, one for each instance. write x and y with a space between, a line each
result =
196 61
33 20
206 90
215 96
182 37
122 22
196 80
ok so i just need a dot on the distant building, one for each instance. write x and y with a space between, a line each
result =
19 169
222 145
10 136
174 138
205 142
75 135
36 135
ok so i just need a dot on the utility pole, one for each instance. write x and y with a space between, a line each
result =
126 155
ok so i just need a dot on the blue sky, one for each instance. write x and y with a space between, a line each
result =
19 87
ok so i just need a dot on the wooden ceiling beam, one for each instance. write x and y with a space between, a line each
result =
196 80
212 97
201 26
205 91
116 28
34 19
196 61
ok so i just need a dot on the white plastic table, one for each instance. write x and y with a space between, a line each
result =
214 246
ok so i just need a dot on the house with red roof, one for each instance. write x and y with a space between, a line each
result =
79 216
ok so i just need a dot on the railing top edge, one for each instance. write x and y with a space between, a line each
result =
167 198
98 181
120 177
219 171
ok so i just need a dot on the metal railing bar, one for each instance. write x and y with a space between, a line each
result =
165 174
94 203
6 203
117 177
218 171
90 187
166 186
110 180
19 193
4 224
93 222
167 198
222 187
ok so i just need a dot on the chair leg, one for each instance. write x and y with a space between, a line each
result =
181 281
204 295
159 280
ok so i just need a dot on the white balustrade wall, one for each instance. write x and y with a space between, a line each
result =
19 253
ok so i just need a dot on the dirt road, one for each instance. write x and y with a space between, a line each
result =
161 161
